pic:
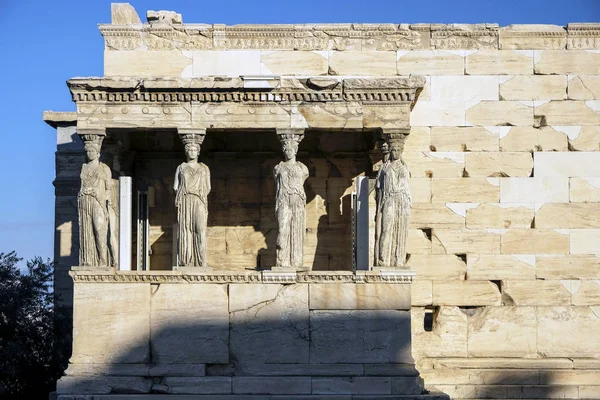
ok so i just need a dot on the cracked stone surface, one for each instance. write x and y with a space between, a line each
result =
189 324
269 323
360 336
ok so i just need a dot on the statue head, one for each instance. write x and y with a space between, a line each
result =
290 149
92 150
192 150
192 143
396 145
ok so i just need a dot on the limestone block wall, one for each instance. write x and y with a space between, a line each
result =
504 155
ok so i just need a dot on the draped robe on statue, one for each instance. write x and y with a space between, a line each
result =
93 214
290 209
395 204
192 184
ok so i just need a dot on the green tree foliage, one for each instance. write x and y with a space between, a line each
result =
29 364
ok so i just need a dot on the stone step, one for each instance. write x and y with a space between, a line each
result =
430 396
507 392
491 376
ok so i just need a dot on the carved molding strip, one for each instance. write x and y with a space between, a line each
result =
106 275
215 90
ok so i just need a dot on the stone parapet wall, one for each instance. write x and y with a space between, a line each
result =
244 333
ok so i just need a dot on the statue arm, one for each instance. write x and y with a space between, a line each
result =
207 179
176 181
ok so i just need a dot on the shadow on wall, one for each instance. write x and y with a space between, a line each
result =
261 340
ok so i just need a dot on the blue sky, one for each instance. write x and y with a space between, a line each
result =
42 44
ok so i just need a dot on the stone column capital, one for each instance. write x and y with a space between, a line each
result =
191 135
288 134
92 137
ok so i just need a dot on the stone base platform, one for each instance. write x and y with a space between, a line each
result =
430 396
241 335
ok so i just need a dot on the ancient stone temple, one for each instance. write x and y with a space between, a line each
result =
343 211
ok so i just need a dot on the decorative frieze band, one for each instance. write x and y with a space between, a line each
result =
343 37
108 275
215 90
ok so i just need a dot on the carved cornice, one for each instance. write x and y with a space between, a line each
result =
104 275
323 37
216 90
468 37
265 37
582 36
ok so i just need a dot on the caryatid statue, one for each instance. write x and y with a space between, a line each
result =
290 201
94 206
394 206
385 151
192 185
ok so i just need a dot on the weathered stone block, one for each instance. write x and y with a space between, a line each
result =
190 324
406 386
534 87
568 215
420 190
147 63
584 189
572 62
558 112
585 293
498 164
502 332
269 323
354 385
448 337
465 88
470 138
435 164
585 241
418 140
584 87
568 267
271 385
568 331
431 62
102 385
228 63
463 190
362 63
465 241
535 241
584 138
570 164
529 138
500 267
294 62
418 242
422 293
499 113
111 323
438 113
435 215
255 369
198 385
359 297
535 293
437 266
381 336
500 216
465 293
499 62
533 36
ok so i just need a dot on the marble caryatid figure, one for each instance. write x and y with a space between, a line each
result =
290 203
94 205
385 151
192 185
394 207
